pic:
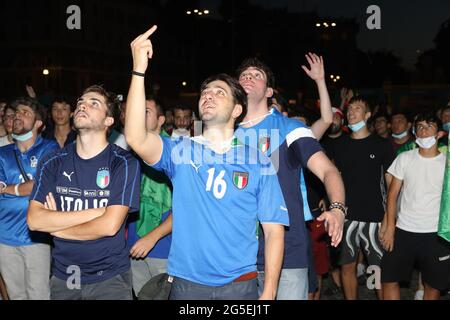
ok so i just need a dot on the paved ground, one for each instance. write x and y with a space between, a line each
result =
407 291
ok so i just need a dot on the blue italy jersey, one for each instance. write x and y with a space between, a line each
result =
289 144
217 202
13 210
110 178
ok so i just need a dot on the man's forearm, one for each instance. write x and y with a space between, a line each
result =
45 220
274 251
135 131
91 230
334 185
24 189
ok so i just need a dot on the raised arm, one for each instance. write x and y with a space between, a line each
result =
317 73
146 144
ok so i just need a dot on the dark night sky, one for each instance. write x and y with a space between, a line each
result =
406 25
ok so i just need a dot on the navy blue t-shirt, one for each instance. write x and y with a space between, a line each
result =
110 178
289 144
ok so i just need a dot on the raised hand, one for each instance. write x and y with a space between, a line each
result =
142 50
317 70
30 91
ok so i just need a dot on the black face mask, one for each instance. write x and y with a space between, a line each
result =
334 128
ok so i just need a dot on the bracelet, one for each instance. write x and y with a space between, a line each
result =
339 206
139 74
16 189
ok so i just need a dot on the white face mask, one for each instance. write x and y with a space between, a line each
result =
426 143
23 137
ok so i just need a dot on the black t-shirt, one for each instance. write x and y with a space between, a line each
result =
363 163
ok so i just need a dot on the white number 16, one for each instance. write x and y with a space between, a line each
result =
220 186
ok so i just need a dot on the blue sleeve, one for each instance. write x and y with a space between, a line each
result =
271 205
2 170
302 145
45 178
125 182
170 156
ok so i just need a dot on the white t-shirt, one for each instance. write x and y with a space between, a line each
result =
421 193
4 141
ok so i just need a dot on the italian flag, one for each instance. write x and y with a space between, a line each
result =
240 181
444 216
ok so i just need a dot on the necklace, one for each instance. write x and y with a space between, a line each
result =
257 118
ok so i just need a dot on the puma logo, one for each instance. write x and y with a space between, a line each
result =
68 176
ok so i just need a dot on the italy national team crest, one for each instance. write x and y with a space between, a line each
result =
240 179
103 178
264 144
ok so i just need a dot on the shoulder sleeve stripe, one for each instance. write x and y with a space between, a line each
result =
126 176
39 180
297 134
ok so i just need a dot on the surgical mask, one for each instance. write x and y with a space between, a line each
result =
23 137
357 126
446 126
426 143
400 135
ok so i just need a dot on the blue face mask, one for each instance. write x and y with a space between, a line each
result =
23 137
357 126
400 135
446 126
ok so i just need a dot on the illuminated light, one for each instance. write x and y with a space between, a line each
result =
188 12
195 10
338 77
333 24
206 11
45 72
332 76
200 13
325 24
318 24
184 83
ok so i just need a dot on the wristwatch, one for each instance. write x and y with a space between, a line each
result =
340 206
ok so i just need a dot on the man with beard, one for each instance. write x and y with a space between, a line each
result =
82 196
25 255
221 189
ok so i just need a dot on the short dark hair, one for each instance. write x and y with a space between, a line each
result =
111 99
159 107
362 99
428 117
239 94
39 110
401 113
260 65
382 114
64 99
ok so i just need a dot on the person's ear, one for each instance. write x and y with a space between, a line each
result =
161 120
237 111
109 121
269 92
367 116
38 124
